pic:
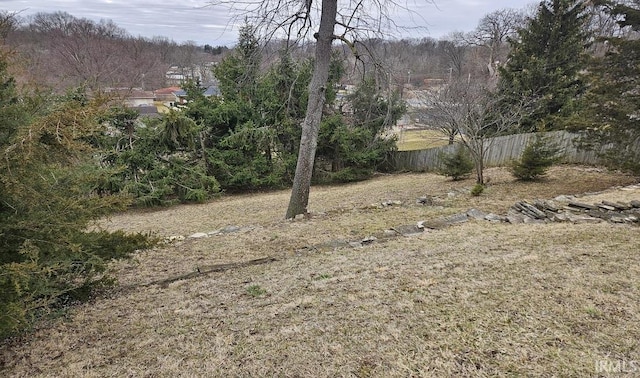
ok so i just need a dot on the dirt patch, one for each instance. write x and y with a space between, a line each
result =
474 299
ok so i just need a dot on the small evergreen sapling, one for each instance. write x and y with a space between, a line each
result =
536 159
457 165
477 190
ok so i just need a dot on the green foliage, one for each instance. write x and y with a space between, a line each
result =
373 111
609 117
544 65
477 190
247 138
252 136
160 163
11 114
255 291
123 121
48 199
352 148
458 164
237 73
537 157
244 159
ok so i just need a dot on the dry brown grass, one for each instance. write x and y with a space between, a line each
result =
409 140
477 300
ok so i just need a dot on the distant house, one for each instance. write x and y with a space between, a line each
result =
147 111
211 90
166 97
139 98
175 75
131 97
144 102
203 72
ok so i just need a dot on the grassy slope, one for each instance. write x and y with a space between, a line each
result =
477 299
409 140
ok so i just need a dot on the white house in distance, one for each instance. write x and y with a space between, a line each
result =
203 73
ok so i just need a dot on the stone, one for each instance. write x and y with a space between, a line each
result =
606 207
516 219
582 206
299 217
408 230
606 215
547 206
528 220
425 200
560 217
624 205
199 235
494 218
476 214
368 240
635 203
616 205
583 219
389 233
432 224
563 198
456 218
631 187
530 210
230 229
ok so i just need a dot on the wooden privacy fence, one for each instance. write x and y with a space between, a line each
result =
499 151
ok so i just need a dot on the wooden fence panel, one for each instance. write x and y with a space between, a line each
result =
500 151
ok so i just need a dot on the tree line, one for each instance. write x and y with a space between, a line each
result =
60 51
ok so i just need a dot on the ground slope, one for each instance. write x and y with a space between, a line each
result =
475 299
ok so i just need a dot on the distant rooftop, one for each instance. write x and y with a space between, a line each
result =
211 90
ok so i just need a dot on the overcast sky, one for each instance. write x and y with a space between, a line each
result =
190 20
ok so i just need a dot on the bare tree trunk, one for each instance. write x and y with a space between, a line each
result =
480 172
310 128
481 152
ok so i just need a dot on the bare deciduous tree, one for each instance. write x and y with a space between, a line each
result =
454 49
471 109
350 22
85 51
8 22
492 33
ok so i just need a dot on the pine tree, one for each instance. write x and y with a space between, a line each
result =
237 73
48 198
458 164
611 116
544 64
537 157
